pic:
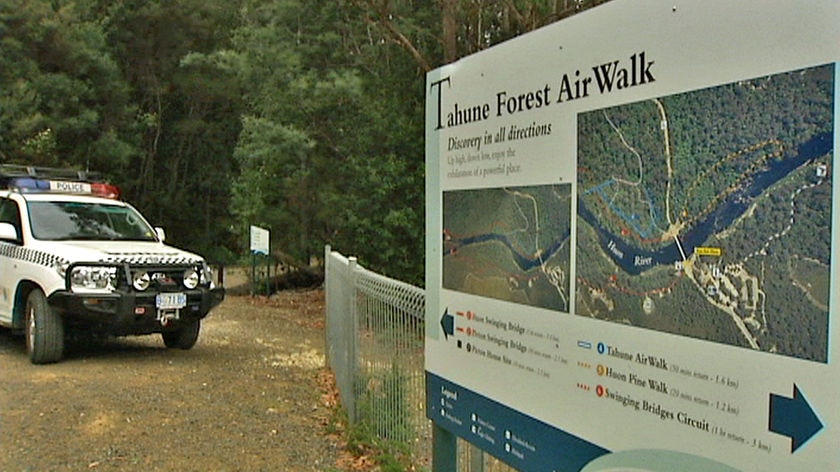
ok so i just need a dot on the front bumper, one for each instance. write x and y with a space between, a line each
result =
129 313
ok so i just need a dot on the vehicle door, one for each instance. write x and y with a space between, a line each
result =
9 249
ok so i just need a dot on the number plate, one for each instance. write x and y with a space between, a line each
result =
169 301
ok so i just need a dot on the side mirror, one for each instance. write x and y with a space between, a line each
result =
8 232
161 234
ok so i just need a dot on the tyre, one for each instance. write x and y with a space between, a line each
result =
184 337
44 330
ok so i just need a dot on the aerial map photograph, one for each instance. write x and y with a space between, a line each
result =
510 244
707 214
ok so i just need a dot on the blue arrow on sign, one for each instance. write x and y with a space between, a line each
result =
794 418
447 322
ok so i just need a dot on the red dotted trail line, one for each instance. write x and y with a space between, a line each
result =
735 186
611 284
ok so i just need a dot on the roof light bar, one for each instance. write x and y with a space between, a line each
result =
45 179
105 190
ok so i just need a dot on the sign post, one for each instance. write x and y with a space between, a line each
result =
260 241
630 230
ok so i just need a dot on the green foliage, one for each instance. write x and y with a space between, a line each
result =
332 152
63 93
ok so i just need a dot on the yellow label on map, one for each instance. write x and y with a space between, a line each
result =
708 251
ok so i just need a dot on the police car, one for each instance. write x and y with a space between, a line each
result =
74 256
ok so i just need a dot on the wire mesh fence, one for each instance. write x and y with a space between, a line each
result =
375 348
375 330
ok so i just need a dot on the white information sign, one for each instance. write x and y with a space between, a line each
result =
259 240
631 223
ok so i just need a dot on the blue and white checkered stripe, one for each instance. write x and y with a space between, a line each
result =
145 258
26 254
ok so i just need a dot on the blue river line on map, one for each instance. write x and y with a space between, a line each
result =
525 263
634 261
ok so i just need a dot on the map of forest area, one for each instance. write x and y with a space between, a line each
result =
708 214
509 244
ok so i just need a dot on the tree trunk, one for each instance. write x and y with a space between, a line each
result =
450 30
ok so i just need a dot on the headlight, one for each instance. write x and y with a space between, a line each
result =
141 280
93 278
191 279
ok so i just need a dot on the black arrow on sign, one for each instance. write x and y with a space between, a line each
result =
447 322
794 418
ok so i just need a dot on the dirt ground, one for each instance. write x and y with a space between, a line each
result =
252 395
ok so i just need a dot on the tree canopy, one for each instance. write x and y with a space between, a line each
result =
302 117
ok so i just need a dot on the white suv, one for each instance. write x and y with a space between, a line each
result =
74 256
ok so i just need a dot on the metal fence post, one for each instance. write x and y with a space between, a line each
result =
340 329
353 337
328 358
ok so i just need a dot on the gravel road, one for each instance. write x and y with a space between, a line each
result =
249 396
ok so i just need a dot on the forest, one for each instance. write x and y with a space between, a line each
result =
304 118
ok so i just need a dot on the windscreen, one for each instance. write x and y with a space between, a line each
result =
87 221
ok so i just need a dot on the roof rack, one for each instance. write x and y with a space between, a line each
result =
14 170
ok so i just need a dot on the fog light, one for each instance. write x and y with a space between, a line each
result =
141 281
191 279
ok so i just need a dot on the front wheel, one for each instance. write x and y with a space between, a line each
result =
44 330
184 337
